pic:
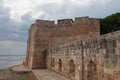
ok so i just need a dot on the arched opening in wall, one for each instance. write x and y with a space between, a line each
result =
60 65
53 63
92 71
72 68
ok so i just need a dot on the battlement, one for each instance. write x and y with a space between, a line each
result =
81 20
44 23
68 22
95 24
65 22
81 26
78 21
94 20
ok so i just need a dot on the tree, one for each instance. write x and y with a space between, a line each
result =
110 23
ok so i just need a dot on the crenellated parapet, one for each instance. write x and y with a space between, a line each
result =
44 23
65 22
68 22
82 20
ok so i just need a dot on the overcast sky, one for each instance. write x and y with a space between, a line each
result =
17 15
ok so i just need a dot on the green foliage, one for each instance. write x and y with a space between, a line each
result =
110 23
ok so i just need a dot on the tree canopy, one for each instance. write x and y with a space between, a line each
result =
110 23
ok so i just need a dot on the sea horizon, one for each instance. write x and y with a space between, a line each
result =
7 61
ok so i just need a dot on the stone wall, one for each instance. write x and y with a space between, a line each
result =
74 49
95 58
44 34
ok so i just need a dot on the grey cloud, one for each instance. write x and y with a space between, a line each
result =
67 10
96 10
54 10
13 34
13 30
17 31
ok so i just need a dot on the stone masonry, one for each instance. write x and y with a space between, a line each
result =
74 49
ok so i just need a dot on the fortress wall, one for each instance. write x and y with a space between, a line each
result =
37 42
45 34
30 44
96 58
74 49
81 27
40 43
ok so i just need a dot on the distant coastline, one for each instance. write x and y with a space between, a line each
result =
11 55
7 61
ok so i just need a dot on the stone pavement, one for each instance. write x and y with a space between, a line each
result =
47 75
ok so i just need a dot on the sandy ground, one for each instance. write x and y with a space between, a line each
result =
9 74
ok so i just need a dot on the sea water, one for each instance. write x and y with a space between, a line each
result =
10 60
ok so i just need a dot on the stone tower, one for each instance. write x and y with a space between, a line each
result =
44 34
37 43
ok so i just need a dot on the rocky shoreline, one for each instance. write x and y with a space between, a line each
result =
10 74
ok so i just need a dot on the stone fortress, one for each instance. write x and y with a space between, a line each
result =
74 49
